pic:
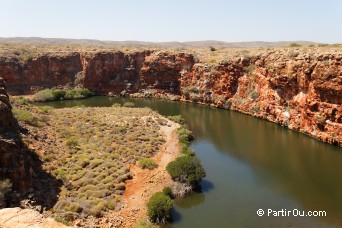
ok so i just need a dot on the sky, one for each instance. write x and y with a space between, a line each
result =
174 20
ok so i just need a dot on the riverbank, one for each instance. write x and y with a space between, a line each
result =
296 87
92 153
146 182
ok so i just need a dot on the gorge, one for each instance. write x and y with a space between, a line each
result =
298 88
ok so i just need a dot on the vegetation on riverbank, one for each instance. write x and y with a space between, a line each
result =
58 94
159 208
186 171
88 149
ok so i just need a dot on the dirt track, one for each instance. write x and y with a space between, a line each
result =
146 182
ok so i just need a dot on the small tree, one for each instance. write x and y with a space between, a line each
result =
159 208
186 169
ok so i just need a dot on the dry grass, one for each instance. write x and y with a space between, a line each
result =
26 52
89 149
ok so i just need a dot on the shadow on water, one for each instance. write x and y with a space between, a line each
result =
206 186
192 200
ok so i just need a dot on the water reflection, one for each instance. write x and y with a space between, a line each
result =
190 201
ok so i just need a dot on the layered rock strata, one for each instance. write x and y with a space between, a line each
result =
299 89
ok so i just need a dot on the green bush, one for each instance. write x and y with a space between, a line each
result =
71 143
178 119
26 117
78 93
147 163
167 191
159 208
186 169
57 94
116 105
186 91
128 104
44 95
185 136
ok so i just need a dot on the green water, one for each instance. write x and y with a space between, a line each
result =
251 164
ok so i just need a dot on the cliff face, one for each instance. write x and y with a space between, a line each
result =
301 92
21 165
15 163
42 72
298 89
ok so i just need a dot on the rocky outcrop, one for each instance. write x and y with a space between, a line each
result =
15 163
299 89
17 217
43 71
21 165
302 92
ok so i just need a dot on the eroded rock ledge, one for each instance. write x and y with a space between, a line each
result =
296 88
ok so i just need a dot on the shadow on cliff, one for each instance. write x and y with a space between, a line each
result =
32 186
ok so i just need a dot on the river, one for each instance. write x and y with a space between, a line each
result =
251 164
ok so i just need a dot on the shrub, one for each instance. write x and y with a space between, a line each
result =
212 48
116 105
128 104
147 163
228 104
185 136
44 95
71 143
186 169
44 109
26 117
186 91
159 208
145 224
186 149
254 95
167 191
178 119
256 108
58 94
249 69
294 45
82 93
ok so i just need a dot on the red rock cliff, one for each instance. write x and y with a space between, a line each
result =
298 89
15 163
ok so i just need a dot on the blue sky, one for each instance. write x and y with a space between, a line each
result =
174 20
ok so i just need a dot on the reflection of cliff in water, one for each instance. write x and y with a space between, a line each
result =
308 170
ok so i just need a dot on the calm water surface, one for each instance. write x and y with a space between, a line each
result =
251 164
